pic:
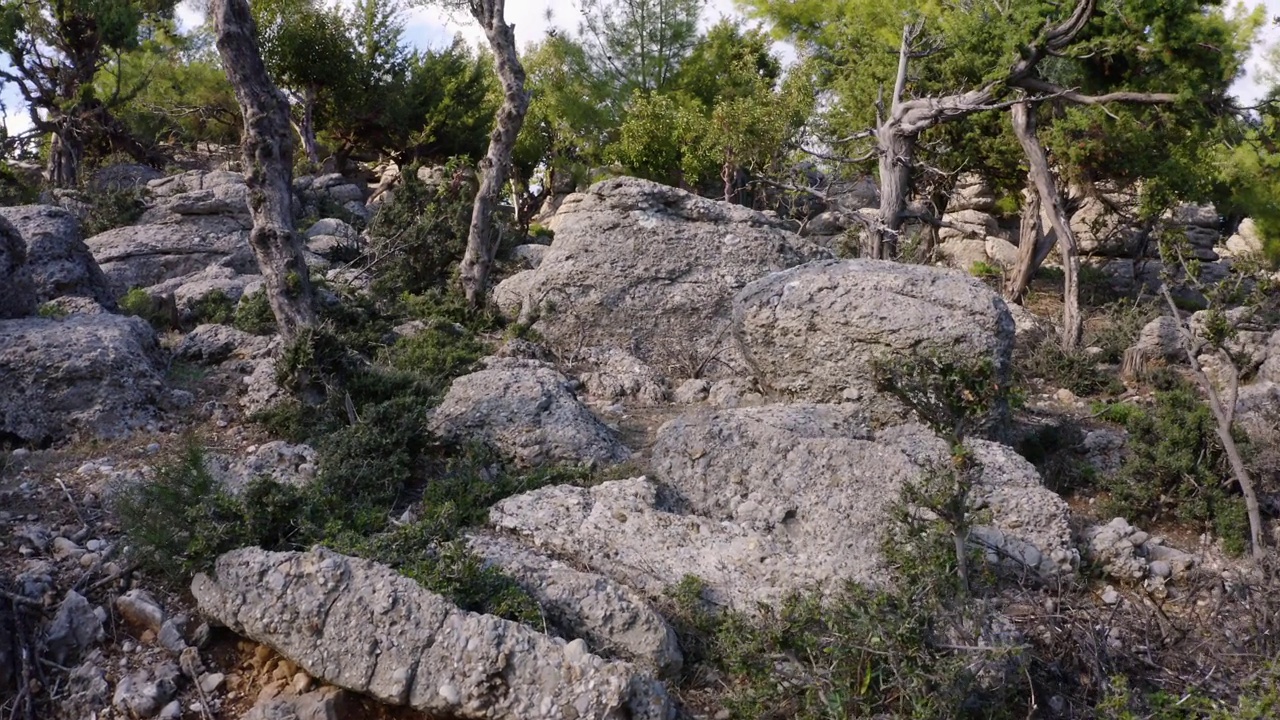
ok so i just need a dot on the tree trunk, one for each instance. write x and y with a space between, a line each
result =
66 149
1035 242
308 129
1024 126
482 240
896 152
268 158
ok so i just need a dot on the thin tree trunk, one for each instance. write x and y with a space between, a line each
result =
896 151
1035 242
482 240
268 157
1223 418
308 132
1024 127
66 149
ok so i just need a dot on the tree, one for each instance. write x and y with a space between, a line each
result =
268 161
639 44
309 53
54 51
495 168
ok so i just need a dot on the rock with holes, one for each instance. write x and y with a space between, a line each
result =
528 410
814 332
613 619
364 627
97 375
650 270
179 246
278 461
59 261
762 501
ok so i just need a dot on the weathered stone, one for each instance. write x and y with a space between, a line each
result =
141 609
74 630
17 293
59 261
814 332
527 409
613 619
961 252
212 344
1159 341
1247 240
123 176
279 461
1002 252
96 374
143 693
615 375
327 703
768 500
149 254
650 270
362 626
190 290
530 256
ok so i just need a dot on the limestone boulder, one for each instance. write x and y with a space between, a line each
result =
650 270
60 263
815 331
140 256
529 410
362 626
98 375
17 294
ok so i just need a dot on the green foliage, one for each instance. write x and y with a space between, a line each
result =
954 397
421 234
15 189
1176 467
214 308
1076 370
139 303
253 314
110 208
639 44
51 311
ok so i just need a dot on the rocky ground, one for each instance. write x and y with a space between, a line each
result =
710 369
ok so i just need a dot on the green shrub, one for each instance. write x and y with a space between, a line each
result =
421 233
51 311
113 208
985 270
1115 327
1075 370
215 308
538 231
140 303
253 314
1176 467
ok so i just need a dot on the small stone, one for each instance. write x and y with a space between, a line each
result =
1065 396
86 468
1139 538
212 682
576 650
63 548
301 683
450 693
20 453
172 711
139 608
88 560
171 638
94 545
1110 596
153 448
1160 569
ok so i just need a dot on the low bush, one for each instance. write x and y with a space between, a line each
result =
160 313
253 314
113 208
215 307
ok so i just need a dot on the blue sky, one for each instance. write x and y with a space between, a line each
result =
432 27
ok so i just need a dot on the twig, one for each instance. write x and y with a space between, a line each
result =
74 507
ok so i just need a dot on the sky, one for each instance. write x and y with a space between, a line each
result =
433 27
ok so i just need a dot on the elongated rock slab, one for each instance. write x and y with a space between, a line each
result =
361 626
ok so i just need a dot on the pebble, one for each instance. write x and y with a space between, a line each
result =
94 545
64 548
212 682
88 560
301 683
1065 396
20 453
1110 596
1160 569
172 711
153 448
1138 538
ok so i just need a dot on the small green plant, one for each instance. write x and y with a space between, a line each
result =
160 313
52 311
112 208
538 231
253 314
215 308
1075 370
985 271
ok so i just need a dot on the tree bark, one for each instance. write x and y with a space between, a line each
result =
1024 127
268 158
495 168
1035 242
308 130
1223 418
66 149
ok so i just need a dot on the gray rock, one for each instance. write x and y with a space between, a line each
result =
123 176
692 391
649 270
526 409
282 462
1247 240
143 693
615 375
1002 252
213 344
530 255
963 253
1159 341
74 629
139 608
59 261
87 689
613 619
333 227
17 293
346 193
189 290
94 374
149 254
362 626
763 501
813 332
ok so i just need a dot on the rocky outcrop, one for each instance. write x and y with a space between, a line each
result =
148 254
93 374
210 343
278 461
613 619
17 294
361 626
813 332
59 261
649 270
528 410
762 501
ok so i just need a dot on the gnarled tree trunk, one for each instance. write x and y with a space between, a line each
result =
268 157
66 149
1024 127
495 168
